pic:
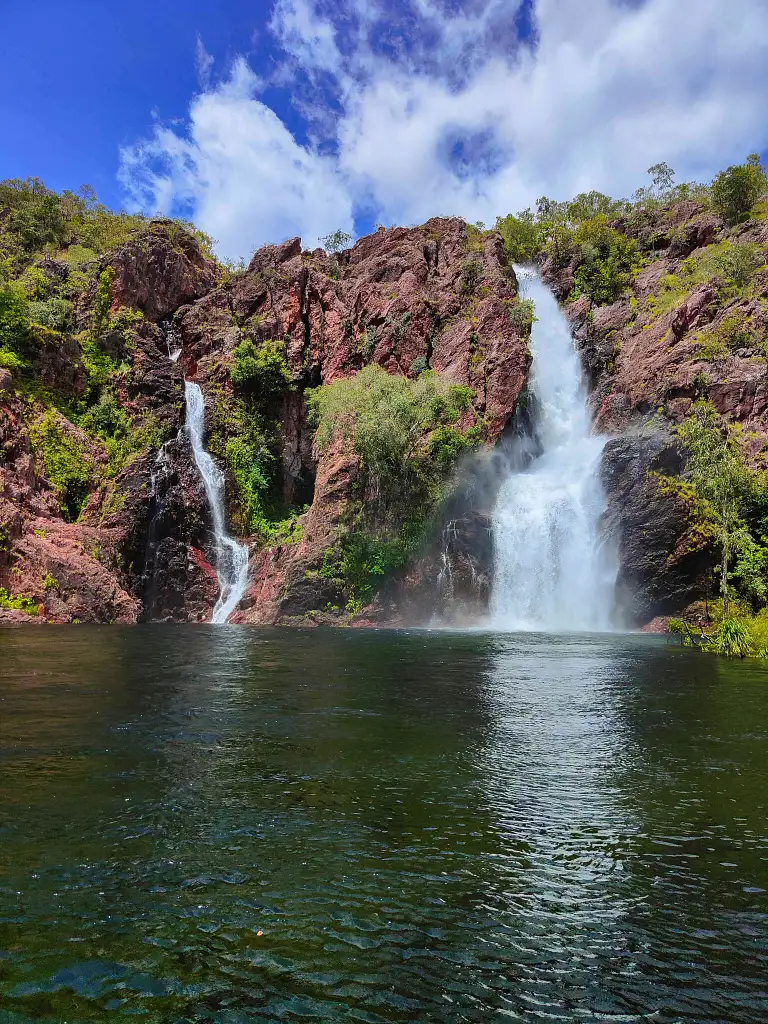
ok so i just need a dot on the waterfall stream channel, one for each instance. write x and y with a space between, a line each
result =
231 555
553 570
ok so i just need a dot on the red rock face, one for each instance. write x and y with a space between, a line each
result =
646 369
143 545
67 569
435 294
396 296
160 271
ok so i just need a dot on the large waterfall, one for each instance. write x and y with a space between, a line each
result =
231 556
552 570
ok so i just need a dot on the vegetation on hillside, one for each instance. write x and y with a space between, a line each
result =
245 434
408 435
729 504
604 241
56 311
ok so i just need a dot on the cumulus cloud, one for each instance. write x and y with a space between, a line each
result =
237 171
409 111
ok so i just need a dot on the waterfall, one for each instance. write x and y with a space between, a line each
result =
552 570
231 556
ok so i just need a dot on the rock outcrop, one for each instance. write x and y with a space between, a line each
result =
131 538
663 564
678 334
437 296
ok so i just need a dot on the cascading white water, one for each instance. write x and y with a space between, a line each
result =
552 570
231 556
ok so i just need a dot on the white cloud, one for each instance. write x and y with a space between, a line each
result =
609 88
238 171
203 64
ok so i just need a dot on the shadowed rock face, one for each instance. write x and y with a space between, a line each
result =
662 568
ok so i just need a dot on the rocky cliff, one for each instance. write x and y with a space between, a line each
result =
103 516
93 537
691 325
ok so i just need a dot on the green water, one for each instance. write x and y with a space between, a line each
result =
233 825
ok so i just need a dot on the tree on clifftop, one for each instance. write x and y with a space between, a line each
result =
736 190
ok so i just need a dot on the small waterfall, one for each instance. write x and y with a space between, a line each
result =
552 570
231 556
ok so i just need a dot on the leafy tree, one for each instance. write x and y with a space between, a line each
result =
721 482
736 190
336 242
260 371
521 236
662 177
586 205
392 423
739 263
606 259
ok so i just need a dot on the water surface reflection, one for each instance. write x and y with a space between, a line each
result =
240 825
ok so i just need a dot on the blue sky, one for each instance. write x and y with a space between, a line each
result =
78 80
263 120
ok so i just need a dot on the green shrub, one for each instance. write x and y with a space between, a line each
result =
399 326
252 464
122 439
124 321
99 368
388 419
17 602
106 418
56 314
475 234
522 314
36 284
102 302
68 468
731 639
736 190
606 260
471 276
730 333
260 370
14 322
362 564
255 468
448 444
419 365
738 263
368 341
10 361
750 573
